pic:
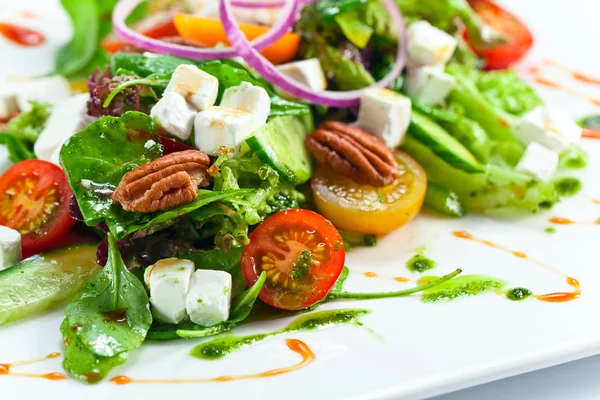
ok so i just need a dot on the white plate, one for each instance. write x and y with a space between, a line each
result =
411 349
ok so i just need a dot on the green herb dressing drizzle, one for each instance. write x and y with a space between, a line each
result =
468 285
221 347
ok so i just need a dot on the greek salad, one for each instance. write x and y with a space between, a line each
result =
190 166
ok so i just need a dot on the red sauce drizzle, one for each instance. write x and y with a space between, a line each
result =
590 133
566 221
297 346
545 82
402 279
6 369
578 76
552 297
559 297
21 35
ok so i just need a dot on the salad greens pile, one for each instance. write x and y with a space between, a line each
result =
354 42
21 132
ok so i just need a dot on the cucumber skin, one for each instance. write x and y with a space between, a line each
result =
45 281
467 163
266 153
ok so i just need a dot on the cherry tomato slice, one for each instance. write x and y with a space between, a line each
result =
34 200
302 254
519 38
368 209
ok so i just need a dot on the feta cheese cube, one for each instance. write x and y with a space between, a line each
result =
538 161
220 126
307 72
10 247
209 297
385 114
428 45
66 119
169 283
51 90
196 86
430 85
250 99
174 115
9 87
549 127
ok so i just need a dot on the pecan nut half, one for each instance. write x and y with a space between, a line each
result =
164 183
352 152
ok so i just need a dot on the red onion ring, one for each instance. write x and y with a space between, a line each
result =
327 98
125 7
257 4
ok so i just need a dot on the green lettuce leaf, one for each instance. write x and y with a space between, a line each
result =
270 195
443 14
495 188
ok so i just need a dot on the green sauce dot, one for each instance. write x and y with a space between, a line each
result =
550 230
420 263
567 186
518 294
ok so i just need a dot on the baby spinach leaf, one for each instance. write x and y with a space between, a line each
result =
81 363
96 159
76 54
337 287
242 304
111 313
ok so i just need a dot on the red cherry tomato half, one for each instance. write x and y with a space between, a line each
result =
519 38
302 254
34 200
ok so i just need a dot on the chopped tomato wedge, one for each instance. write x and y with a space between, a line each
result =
368 209
302 254
210 32
34 200
519 38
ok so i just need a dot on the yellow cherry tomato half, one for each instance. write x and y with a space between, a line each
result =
368 209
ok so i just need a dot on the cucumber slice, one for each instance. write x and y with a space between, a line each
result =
44 281
442 143
280 144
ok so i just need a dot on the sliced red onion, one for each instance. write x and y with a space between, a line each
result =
125 7
257 4
327 98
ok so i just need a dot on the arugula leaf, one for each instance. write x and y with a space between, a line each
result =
111 313
81 363
96 159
